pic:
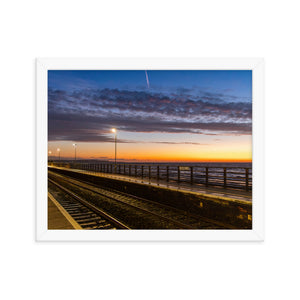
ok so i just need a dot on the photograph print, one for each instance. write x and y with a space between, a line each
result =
149 149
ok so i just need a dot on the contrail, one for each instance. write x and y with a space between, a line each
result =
147 79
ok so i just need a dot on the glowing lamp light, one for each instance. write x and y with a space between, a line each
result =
75 150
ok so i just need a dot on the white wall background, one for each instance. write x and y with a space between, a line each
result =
268 29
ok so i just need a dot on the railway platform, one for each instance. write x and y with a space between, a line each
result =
58 217
201 189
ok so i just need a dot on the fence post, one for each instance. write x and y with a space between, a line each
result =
247 179
225 177
149 173
142 171
167 173
129 170
135 171
178 174
192 175
119 169
157 173
206 176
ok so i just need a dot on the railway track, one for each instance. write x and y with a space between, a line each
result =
168 217
86 215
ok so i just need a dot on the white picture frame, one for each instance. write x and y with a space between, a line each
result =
254 64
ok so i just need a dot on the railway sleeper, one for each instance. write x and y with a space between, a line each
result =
78 220
87 224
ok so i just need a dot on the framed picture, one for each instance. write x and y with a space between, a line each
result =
150 149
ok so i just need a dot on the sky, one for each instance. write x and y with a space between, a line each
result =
160 115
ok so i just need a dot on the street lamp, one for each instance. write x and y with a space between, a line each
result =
58 150
75 145
114 130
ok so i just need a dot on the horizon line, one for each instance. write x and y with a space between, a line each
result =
153 161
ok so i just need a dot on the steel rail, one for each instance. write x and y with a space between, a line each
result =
182 225
92 207
187 214
186 226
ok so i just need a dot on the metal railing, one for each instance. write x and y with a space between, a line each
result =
226 177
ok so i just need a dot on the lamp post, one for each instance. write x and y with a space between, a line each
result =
114 130
75 145
58 150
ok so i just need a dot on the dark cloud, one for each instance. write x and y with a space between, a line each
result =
87 115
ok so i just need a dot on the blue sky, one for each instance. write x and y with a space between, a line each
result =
238 83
